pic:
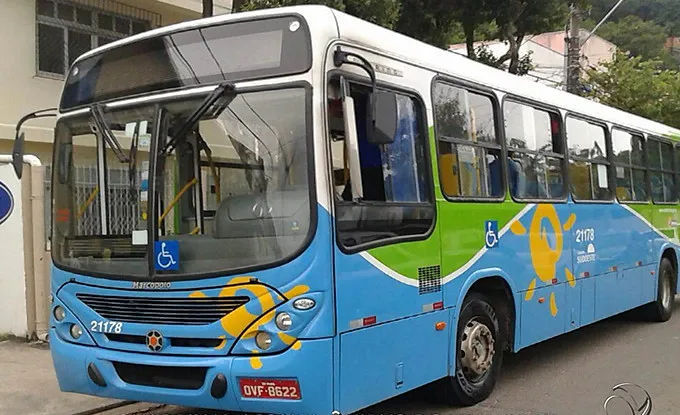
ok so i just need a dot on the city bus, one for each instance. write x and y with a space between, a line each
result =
294 211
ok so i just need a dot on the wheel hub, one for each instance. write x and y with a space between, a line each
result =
477 348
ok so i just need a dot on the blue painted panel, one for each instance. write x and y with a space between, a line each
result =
597 244
538 322
588 292
608 296
648 282
573 307
373 359
361 292
310 365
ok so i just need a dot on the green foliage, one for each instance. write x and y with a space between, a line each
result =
381 12
518 18
432 21
640 87
664 13
524 64
639 26
639 37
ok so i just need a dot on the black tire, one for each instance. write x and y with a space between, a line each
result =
661 310
466 388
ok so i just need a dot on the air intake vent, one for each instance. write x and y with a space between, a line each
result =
189 378
154 310
429 279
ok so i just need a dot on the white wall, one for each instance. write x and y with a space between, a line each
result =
13 318
22 91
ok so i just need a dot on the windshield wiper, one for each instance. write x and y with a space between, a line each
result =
107 134
225 88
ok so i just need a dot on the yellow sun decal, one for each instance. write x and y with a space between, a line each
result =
236 322
544 257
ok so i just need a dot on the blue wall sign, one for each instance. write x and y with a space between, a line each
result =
491 234
166 254
6 202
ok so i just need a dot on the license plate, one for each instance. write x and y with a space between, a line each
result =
270 389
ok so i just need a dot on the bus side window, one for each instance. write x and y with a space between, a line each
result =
629 166
469 148
534 138
588 162
661 177
397 195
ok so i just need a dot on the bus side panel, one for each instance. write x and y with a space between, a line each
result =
380 362
541 317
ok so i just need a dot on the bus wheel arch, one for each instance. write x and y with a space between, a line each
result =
661 309
500 292
484 330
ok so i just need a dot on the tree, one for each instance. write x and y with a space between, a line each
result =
485 56
637 36
513 20
382 12
664 13
439 22
431 21
640 87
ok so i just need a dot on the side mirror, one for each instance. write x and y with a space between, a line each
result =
383 129
18 155
18 151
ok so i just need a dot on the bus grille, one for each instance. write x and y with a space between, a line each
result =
189 378
173 311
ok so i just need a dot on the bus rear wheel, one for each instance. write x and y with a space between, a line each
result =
479 352
662 309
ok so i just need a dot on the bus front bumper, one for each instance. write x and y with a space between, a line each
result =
191 381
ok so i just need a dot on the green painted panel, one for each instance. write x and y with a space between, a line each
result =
459 230
462 228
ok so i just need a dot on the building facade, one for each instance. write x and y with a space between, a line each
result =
39 39
548 51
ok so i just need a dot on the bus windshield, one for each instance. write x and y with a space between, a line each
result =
233 190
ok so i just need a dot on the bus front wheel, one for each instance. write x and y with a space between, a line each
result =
479 352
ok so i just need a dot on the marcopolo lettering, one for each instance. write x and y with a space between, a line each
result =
150 285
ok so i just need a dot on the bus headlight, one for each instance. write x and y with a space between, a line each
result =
59 313
76 331
263 340
283 321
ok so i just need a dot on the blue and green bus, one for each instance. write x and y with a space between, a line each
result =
297 211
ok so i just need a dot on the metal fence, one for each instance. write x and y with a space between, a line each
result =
122 211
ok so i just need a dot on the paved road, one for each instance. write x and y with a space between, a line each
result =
570 375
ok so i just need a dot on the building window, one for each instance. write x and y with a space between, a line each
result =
588 162
629 166
66 30
661 177
535 149
469 147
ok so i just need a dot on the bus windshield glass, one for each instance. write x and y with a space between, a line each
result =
232 191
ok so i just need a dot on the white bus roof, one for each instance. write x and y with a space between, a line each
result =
427 56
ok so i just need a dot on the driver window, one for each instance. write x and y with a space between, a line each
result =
397 198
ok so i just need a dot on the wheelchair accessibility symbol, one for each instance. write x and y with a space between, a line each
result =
167 255
491 236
